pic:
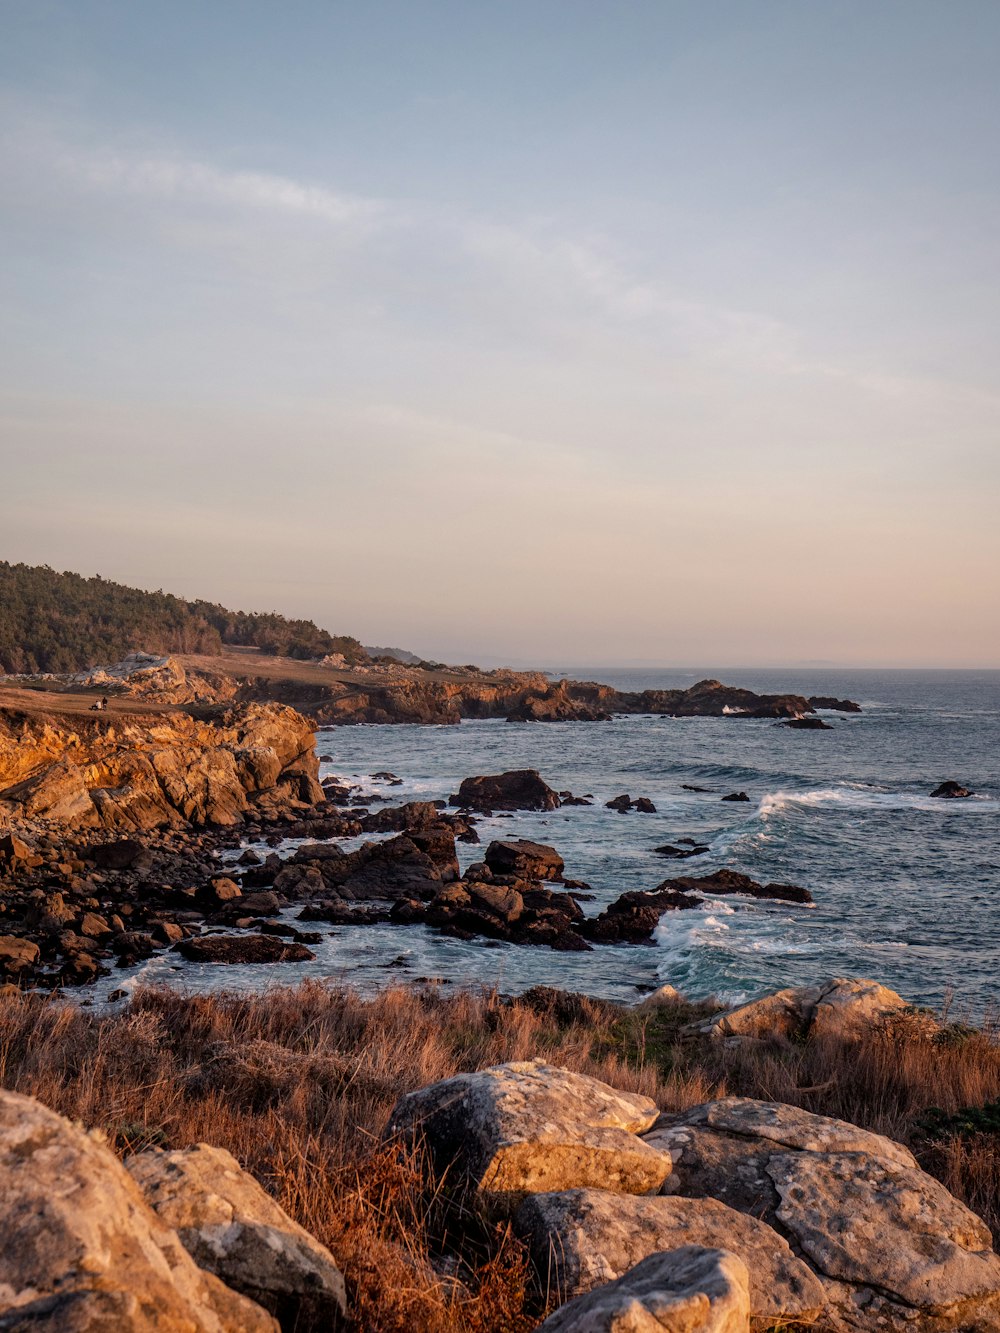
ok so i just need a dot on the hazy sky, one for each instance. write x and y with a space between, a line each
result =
584 331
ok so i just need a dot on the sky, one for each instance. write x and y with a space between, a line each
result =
599 331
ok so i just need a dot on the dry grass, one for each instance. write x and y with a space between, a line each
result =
298 1084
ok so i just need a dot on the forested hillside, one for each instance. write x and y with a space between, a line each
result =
64 622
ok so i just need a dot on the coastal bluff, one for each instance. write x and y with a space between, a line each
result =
332 692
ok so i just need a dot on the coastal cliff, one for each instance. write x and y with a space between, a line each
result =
137 770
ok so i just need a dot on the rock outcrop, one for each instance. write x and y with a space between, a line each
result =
139 771
526 1127
951 791
836 1225
836 1007
689 1290
84 1253
892 1247
232 1228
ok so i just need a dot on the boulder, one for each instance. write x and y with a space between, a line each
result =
731 881
661 998
243 949
583 1238
689 1290
12 849
17 954
117 855
892 1246
527 1126
736 796
527 860
836 1007
409 818
623 804
84 1253
806 724
521 789
951 790
231 1227
57 792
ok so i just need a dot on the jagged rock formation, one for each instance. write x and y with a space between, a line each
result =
135 771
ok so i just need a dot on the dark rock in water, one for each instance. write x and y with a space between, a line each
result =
415 815
731 881
390 778
806 724
695 849
567 798
736 796
528 860
644 806
621 803
951 790
686 786
834 705
521 789
633 917
243 949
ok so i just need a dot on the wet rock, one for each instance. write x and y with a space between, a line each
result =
583 1238
232 1228
688 1290
242 949
644 806
527 860
681 853
806 724
736 796
632 918
521 789
731 881
83 1252
527 1126
412 817
828 702
951 790
621 803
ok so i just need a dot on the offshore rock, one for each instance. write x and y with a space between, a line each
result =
521 789
83 1251
231 1227
690 1290
526 860
526 1126
951 791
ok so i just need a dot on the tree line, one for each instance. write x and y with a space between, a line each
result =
51 621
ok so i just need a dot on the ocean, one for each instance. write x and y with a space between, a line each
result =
906 887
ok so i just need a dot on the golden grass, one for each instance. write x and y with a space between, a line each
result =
298 1084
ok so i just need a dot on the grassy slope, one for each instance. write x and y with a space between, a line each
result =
299 1083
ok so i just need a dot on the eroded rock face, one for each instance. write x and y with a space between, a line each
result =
837 1007
583 1238
84 1253
527 1126
143 771
892 1247
231 1227
689 1290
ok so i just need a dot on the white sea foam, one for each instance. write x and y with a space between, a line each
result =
855 797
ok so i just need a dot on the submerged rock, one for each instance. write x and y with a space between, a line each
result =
243 949
951 790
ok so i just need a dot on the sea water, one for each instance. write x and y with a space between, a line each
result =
906 887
